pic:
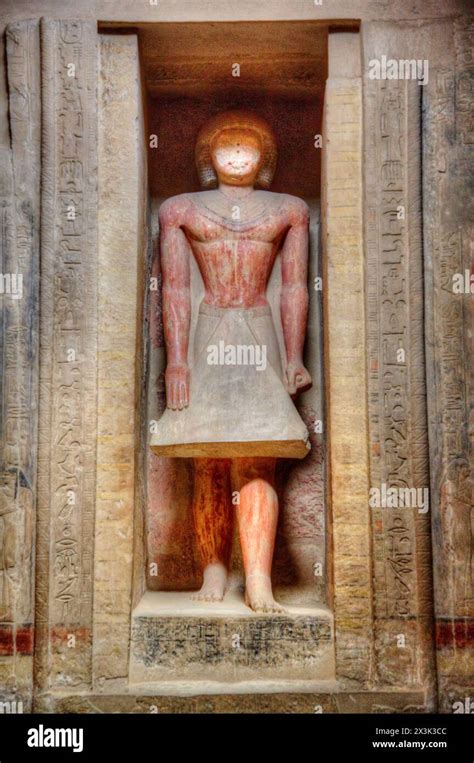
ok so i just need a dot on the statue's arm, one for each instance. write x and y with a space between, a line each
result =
175 265
294 293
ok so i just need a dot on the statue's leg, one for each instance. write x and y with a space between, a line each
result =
257 513
213 515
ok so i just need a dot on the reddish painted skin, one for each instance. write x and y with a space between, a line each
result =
235 261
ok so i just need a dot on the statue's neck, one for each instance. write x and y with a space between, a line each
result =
235 191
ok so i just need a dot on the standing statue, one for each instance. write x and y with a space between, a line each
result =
229 400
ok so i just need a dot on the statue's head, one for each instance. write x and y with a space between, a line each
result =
237 148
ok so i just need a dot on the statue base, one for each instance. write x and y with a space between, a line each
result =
175 638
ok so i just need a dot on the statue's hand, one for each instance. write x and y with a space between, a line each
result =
296 378
177 386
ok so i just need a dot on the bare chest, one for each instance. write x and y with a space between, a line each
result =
238 224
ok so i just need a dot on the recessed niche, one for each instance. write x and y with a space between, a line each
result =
191 72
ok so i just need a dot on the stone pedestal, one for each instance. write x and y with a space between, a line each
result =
175 638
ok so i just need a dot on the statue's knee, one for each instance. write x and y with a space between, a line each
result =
257 487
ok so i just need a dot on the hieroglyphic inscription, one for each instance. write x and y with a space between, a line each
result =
448 139
8 482
165 647
396 368
68 330
394 340
464 81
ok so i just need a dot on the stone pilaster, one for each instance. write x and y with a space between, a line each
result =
448 140
345 342
396 368
122 255
19 360
68 365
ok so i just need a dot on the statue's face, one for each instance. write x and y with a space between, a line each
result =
236 156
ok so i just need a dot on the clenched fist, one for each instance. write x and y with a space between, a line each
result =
296 378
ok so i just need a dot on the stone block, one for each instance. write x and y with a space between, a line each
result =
177 639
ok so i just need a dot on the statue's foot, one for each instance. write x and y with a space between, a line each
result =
258 594
214 584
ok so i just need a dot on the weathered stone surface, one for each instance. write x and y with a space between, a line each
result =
121 259
248 10
19 260
448 212
68 346
284 700
395 364
176 638
345 355
292 66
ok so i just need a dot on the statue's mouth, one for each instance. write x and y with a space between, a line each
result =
238 166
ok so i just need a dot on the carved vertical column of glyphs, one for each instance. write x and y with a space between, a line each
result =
346 390
68 347
396 368
448 149
8 487
19 357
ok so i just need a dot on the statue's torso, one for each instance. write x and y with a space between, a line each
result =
235 243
